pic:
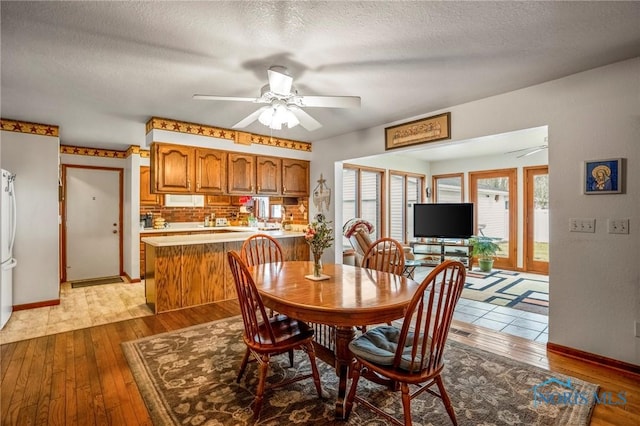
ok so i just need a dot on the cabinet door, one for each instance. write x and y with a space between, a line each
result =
295 178
211 171
242 174
173 168
147 198
268 175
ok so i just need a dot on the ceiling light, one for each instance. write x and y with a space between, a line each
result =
277 115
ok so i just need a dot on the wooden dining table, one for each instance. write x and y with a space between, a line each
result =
351 296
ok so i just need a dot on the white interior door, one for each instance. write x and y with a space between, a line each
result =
92 223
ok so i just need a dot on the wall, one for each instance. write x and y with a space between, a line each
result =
594 278
34 160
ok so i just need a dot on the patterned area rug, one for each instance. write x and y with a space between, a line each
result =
517 290
188 377
527 292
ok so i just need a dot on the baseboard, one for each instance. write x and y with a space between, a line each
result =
35 305
129 279
593 358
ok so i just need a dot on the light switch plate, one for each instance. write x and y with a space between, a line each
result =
582 225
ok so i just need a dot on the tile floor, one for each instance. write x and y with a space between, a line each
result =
506 320
79 308
89 306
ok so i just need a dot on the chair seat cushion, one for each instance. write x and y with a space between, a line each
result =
379 346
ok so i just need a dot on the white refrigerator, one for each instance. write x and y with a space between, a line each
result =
7 238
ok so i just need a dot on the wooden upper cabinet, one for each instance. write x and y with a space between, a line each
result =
295 178
242 174
172 168
211 171
147 198
268 175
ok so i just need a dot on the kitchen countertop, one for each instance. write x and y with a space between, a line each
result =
207 238
197 228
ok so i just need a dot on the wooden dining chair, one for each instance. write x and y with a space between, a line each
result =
266 336
412 354
261 248
386 255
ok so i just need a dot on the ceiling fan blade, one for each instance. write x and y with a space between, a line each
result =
279 83
537 148
250 118
328 101
306 121
223 98
531 152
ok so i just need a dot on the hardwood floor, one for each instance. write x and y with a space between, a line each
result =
82 378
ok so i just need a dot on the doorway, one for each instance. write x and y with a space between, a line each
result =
92 222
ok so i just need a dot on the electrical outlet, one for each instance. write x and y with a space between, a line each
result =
582 225
618 226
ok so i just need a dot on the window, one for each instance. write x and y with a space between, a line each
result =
448 188
362 196
405 189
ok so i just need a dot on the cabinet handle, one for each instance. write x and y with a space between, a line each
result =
259 189
198 185
284 189
189 184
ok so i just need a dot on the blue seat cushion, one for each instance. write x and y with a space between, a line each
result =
379 346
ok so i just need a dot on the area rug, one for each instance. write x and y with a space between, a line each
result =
527 292
188 377
517 290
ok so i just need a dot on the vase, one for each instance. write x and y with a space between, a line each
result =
317 264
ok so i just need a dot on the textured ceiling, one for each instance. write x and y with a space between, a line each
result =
100 70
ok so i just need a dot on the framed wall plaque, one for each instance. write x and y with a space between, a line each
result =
430 129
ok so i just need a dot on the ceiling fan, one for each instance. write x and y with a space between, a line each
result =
284 104
524 152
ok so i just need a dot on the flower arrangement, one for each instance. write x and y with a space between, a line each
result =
319 236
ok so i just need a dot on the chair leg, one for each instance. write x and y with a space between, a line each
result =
262 380
355 376
291 358
243 366
308 348
406 404
446 400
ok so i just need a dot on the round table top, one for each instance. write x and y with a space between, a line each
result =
350 296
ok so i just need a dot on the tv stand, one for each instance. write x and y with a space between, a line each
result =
433 251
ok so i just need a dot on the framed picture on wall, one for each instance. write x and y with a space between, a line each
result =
425 130
603 176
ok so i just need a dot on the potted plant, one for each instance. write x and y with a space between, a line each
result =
485 249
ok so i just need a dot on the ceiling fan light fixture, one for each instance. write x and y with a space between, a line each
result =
277 115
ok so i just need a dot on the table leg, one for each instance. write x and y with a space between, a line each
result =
344 360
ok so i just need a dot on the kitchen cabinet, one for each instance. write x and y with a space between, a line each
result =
147 198
268 175
184 275
172 168
211 171
295 178
242 174
179 169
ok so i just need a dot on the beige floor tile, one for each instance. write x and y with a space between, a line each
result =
79 308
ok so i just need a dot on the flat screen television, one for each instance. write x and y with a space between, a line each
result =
443 220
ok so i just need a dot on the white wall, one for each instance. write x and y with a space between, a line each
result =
34 160
594 278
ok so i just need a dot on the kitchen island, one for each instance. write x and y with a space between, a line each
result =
190 270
